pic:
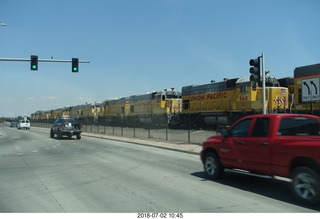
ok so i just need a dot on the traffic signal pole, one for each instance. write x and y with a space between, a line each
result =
41 60
263 85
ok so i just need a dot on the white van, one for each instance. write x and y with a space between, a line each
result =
24 124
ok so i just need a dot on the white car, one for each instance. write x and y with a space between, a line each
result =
24 124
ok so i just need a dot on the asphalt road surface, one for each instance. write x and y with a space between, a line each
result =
40 174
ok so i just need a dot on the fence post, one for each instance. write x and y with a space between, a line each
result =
167 131
121 120
189 126
113 125
105 124
149 121
134 126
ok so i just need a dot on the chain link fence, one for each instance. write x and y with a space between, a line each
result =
141 128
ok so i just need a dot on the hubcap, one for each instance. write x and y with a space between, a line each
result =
210 166
304 185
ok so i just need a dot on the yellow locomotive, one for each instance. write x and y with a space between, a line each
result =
223 102
47 115
156 108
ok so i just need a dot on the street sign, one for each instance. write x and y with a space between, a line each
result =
310 89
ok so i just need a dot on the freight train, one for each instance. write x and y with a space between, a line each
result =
151 108
211 104
226 101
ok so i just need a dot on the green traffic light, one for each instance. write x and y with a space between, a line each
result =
34 63
75 64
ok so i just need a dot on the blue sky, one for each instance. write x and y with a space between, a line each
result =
140 46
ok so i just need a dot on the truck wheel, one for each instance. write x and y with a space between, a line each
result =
212 166
306 185
59 134
51 134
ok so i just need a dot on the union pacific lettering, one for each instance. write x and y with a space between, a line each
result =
197 97
216 95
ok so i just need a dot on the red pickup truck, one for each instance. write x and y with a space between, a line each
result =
286 145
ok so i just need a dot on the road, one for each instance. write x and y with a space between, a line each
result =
40 174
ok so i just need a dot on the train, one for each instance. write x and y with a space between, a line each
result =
205 105
136 110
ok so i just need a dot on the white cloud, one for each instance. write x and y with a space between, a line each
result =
50 98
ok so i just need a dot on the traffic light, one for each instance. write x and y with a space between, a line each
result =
255 70
34 63
75 64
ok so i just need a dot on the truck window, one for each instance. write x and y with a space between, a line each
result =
261 127
67 120
241 129
298 126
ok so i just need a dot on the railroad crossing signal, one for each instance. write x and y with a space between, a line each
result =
34 63
75 65
255 70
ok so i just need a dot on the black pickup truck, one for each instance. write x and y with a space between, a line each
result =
66 126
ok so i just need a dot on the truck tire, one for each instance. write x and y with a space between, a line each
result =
212 166
59 134
306 185
51 134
